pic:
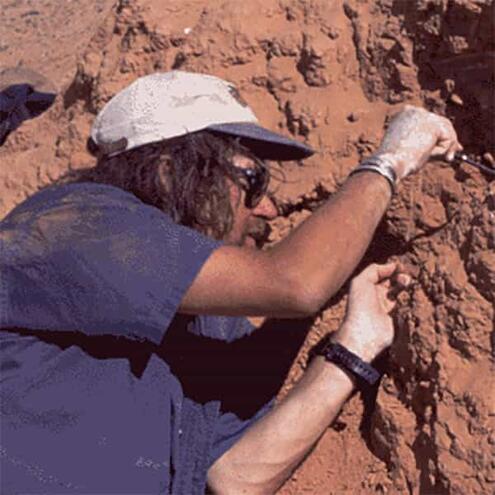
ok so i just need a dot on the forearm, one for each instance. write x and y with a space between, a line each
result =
298 275
323 251
272 448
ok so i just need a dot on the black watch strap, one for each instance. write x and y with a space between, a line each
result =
364 373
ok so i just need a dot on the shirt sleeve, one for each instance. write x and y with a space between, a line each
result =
107 265
230 428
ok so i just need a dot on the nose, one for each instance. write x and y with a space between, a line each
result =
266 208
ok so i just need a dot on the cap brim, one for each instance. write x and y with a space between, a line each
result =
263 143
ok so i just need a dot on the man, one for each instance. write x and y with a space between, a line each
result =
114 279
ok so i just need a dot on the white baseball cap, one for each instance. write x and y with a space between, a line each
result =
162 106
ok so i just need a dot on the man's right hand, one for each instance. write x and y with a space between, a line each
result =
414 136
285 281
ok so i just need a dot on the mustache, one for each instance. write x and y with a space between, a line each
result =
260 232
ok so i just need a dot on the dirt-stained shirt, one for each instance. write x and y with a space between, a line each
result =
104 387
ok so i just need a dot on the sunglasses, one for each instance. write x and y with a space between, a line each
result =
255 184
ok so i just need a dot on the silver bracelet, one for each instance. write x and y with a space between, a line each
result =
379 165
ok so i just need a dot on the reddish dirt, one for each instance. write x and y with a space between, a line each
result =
329 73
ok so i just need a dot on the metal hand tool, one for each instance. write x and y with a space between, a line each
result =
462 157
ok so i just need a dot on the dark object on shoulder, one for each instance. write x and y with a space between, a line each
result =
22 98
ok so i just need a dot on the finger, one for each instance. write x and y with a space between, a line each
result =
441 148
446 129
388 303
453 149
376 273
450 155
443 145
447 138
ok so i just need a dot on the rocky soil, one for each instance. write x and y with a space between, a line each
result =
331 74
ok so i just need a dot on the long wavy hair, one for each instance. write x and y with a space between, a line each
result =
185 177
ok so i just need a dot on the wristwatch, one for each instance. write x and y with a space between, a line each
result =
365 375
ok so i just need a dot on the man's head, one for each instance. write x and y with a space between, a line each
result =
188 144
205 181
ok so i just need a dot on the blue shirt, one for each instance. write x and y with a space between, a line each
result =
104 387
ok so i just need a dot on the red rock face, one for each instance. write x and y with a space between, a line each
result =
329 73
